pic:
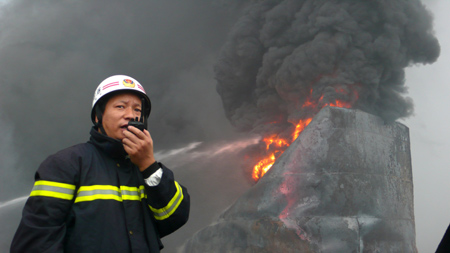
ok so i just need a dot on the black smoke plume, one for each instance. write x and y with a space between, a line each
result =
283 54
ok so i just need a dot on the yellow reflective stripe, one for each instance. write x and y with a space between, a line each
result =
55 184
96 192
51 194
167 211
97 197
98 187
133 193
53 189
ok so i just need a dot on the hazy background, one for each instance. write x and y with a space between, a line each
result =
53 54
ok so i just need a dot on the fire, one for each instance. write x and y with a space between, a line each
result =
275 144
263 166
300 126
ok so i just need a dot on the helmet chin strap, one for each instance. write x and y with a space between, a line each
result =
99 124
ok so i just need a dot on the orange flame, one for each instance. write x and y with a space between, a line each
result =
278 144
300 126
263 166
275 145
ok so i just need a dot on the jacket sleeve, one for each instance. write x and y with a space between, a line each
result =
42 228
169 202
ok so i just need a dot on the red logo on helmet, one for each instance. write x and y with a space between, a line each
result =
128 83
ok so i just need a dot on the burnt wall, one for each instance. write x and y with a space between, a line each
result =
345 185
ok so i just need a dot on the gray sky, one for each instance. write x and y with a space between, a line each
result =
54 53
429 87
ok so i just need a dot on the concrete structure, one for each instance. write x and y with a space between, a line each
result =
345 185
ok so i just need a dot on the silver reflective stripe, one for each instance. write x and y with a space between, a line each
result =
133 193
53 189
98 192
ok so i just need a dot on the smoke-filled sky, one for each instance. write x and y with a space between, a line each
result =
53 54
282 55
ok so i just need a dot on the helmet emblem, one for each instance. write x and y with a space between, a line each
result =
128 83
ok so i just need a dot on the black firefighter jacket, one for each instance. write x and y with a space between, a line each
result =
91 198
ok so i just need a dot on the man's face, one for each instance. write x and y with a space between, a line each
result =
120 109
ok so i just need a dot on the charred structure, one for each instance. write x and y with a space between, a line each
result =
345 185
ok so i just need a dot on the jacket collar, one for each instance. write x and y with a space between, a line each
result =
110 146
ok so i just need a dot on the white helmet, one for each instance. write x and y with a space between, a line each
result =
115 84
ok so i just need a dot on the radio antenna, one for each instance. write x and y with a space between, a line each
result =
143 114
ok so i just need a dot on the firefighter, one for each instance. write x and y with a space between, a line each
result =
108 194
